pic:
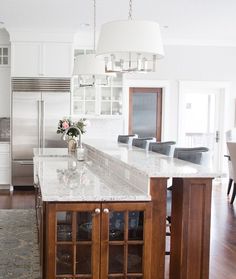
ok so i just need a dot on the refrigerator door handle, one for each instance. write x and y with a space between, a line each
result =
39 124
42 123
25 162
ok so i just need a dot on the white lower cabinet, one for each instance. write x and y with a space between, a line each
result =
5 165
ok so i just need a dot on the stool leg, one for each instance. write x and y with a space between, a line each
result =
234 194
229 186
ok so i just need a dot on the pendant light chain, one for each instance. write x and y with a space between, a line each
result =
94 25
130 10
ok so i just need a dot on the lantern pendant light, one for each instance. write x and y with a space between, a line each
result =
130 45
89 68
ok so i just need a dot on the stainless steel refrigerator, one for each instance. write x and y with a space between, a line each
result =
35 115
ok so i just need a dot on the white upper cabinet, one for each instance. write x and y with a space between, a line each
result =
36 59
57 59
26 59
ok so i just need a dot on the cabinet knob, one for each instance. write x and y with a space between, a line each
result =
106 210
97 211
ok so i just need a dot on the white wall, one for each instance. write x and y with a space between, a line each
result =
5 79
195 63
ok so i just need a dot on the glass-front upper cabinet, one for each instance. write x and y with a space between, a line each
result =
105 100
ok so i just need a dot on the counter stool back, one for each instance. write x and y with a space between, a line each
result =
143 142
126 138
162 147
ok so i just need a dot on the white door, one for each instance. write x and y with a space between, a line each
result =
201 120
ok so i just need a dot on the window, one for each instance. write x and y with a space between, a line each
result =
4 59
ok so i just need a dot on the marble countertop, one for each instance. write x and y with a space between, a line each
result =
149 163
65 179
51 152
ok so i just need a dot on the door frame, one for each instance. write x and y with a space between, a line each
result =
224 90
145 90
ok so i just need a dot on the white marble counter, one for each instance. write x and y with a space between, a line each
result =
51 152
65 179
148 163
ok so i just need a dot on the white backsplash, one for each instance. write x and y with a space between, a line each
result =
104 128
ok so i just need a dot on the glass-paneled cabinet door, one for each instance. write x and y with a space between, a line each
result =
74 241
125 240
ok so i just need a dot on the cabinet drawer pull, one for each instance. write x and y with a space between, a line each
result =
97 211
106 210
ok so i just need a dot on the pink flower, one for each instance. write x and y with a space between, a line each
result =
65 125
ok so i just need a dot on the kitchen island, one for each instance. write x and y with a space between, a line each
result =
112 210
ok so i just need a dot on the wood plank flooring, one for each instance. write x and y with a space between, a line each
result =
223 228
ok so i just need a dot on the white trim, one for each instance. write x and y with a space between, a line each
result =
166 110
224 99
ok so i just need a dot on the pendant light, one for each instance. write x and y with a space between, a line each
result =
89 68
130 45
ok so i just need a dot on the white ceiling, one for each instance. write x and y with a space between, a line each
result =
188 21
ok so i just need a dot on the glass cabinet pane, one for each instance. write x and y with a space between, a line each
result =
90 107
90 93
64 259
116 94
116 108
78 107
79 93
135 225
106 108
64 226
83 259
116 226
5 60
84 226
116 259
135 255
5 51
106 93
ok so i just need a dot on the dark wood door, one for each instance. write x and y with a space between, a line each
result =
145 112
125 240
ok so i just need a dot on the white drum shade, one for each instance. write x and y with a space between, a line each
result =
130 36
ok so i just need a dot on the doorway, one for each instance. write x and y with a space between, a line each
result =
201 119
145 112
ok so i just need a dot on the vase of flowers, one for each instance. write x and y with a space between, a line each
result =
72 133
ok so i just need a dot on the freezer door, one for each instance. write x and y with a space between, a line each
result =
26 111
22 173
54 107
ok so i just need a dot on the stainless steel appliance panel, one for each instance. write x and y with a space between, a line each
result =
54 107
22 173
35 116
26 113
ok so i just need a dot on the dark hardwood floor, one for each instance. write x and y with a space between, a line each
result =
223 228
17 199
